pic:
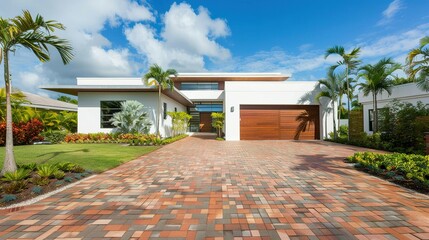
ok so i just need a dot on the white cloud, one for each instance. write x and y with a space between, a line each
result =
394 45
186 39
85 20
390 12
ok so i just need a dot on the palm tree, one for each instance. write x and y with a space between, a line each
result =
418 64
350 61
330 89
34 34
377 79
162 79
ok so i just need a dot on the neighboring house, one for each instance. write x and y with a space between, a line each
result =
404 93
40 102
256 105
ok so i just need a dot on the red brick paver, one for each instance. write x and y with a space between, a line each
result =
206 189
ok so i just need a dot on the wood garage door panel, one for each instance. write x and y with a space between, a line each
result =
264 122
285 122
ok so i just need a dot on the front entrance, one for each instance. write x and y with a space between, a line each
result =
205 122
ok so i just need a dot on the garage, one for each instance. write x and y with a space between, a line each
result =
279 122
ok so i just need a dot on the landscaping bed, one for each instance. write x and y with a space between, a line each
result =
408 170
32 180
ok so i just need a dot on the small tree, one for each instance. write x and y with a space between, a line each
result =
180 121
131 119
218 122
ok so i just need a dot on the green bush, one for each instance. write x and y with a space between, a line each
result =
38 180
59 174
15 186
18 175
131 119
409 166
46 170
77 169
400 128
54 136
30 166
180 122
65 166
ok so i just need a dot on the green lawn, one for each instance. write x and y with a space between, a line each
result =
94 157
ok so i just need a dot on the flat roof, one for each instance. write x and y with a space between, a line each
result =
75 89
223 76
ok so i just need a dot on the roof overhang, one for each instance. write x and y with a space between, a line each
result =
75 89
215 77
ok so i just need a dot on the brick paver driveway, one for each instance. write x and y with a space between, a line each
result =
200 188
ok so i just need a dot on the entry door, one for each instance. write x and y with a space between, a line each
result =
205 122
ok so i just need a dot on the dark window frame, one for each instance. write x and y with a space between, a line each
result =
165 110
201 86
108 112
371 117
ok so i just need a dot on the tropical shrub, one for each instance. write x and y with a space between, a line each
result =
59 174
180 122
77 169
218 122
131 119
54 136
46 170
39 181
29 166
408 166
65 166
15 186
18 175
401 129
23 132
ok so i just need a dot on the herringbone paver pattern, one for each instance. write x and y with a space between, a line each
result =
206 189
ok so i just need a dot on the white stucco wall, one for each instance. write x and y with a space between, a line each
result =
405 93
271 93
89 109
204 95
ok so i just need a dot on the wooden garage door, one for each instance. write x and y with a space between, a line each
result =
286 122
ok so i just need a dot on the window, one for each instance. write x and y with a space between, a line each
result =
199 86
165 110
380 117
108 108
175 109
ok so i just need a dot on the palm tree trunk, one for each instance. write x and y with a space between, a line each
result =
375 114
333 119
348 103
158 118
9 160
340 103
374 105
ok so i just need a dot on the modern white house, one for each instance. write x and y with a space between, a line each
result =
404 93
257 106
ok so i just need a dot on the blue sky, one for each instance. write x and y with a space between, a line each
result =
122 38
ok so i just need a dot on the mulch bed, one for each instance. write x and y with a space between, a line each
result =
28 192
